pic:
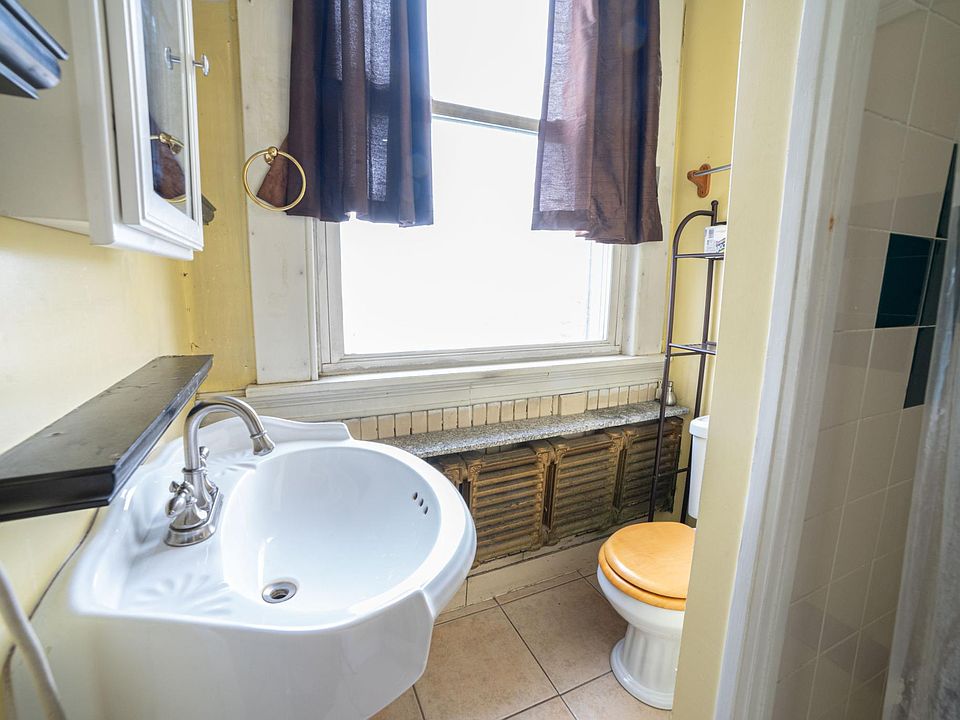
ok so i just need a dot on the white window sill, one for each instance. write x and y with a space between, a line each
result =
360 395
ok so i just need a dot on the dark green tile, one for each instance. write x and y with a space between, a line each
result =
920 370
904 280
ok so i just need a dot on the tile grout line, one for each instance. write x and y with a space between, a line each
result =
416 696
532 654
537 592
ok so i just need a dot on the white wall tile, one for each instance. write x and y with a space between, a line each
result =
506 411
846 375
793 694
623 395
403 423
893 68
833 678
878 164
546 406
634 394
831 468
866 701
876 440
464 416
434 420
818 542
479 414
592 398
846 597
948 8
449 416
603 398
533 407
896 514
573 403
493 413
801 640
385 426
884 586
858 533
520 409
908 445
936 104
861 278
891 356
873 652
926 161
419 421
368 428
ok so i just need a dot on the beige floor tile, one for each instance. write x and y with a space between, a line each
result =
604 699
550 710
532 589
592 579
404 707
570 630
465 610
479 669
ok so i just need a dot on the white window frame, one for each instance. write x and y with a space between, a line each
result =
293 263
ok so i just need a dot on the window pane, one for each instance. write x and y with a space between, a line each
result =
479 277
489 54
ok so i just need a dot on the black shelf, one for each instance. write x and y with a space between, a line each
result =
700 256
84 458
701 350
707 348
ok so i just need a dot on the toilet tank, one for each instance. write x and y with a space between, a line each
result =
698 439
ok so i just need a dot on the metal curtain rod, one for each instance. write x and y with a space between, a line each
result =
701 177
711 171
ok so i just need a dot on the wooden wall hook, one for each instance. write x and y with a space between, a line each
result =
701 181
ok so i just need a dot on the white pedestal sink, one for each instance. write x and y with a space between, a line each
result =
362 544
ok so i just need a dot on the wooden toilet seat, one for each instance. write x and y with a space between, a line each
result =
650 562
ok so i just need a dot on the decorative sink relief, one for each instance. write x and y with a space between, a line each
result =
315 598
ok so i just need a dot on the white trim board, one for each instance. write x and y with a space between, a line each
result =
344 396
836 42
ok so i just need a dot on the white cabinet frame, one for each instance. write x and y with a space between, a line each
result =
114 123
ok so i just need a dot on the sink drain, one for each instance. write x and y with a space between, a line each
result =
279 592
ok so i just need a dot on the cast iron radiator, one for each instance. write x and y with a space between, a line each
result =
540 492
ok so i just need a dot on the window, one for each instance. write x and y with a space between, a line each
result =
476 286
330 309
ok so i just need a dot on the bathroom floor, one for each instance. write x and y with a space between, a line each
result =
539 653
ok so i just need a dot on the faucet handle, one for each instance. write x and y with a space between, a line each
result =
183 498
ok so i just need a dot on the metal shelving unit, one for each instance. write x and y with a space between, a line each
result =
703 348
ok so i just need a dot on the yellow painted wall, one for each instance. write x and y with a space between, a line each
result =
708 87
219 308
75 319
768 57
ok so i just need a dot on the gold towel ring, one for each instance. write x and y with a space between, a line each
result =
269 155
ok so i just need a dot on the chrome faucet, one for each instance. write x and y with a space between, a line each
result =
196 502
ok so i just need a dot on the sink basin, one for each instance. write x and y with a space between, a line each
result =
315 598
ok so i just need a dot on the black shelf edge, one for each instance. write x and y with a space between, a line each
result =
709 348
83 459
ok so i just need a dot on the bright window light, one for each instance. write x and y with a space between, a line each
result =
479 278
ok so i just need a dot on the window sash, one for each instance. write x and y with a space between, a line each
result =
334 360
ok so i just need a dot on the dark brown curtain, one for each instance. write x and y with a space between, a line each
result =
596 157
359 113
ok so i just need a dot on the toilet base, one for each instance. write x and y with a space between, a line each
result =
645 660
649 696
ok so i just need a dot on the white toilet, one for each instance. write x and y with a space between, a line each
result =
644 570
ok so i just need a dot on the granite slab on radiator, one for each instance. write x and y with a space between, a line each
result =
443 442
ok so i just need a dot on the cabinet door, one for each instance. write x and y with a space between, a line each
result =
154 90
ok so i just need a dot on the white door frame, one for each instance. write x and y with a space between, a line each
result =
836 43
